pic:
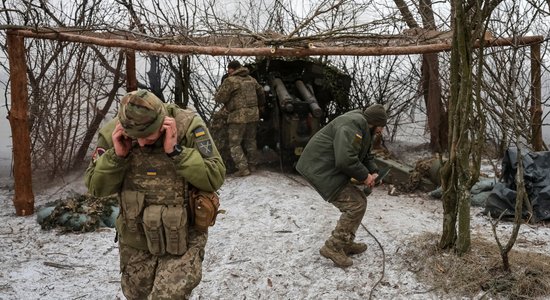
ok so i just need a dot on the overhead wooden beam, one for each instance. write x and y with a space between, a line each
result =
312 50
19 123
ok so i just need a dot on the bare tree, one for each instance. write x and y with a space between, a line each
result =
430 82
457 176
66 85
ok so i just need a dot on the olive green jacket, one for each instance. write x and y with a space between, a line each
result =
338 152
199 163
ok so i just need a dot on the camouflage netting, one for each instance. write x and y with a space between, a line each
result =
423 169
79 213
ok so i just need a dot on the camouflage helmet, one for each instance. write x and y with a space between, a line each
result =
141 113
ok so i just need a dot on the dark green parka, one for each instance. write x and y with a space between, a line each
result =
338 152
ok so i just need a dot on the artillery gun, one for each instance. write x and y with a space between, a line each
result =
301 97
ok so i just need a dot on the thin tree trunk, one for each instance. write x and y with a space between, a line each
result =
448 171
154 75
100 115
431 88
182 81
186 70
536 109
437 116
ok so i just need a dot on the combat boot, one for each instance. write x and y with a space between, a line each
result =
355 248
242 173
336 254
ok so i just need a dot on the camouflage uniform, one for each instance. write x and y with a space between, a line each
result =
345 147
241 94
160 253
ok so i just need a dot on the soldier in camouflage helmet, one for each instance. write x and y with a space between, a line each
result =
150 155
241 95
339 152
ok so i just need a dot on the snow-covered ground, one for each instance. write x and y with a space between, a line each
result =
264 247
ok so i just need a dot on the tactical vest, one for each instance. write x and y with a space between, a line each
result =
243 106
245 96
153 205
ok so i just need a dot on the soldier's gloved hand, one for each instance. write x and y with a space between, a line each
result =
170 134
121 142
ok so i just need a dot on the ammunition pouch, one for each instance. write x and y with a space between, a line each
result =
157 228
174 221
128 223
132 204
203 208
152 226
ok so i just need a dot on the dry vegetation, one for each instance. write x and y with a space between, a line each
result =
480 269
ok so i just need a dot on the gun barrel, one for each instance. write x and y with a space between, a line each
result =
285 100
309 98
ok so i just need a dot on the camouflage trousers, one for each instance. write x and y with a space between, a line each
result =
146 276
352 203
245 134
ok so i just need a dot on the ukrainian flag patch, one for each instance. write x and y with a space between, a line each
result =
199 132
151 172
358 138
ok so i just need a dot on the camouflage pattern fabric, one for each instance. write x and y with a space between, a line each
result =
141 113
218 128
155 174
352 203
145 276
243 134
148 179
241 94
422 169
79 213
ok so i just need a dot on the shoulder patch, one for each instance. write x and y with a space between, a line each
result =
203 142
199 132
205 147
358 139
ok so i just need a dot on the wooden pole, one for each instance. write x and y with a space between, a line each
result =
536 107
267 51
131 80
24 197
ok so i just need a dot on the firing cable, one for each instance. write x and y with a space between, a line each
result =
383 260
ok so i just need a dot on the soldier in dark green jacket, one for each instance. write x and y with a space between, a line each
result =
241 96
337 153
150 155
